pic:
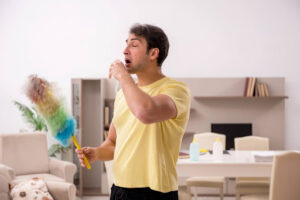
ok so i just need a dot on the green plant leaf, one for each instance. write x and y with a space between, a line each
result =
57 148
32 117
40 122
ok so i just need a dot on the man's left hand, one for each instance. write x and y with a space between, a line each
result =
117 70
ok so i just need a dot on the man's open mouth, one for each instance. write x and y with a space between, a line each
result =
127 61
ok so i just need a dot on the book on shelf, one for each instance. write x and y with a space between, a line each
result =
253 88
266 89
260 90
246 87
249 87
263 90
256 90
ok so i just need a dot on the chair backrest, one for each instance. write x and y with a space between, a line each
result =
109 174
285 179
248 143
207 139
26 153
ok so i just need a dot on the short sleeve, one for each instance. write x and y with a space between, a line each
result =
116 103
180 95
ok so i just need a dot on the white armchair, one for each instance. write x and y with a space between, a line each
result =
24 156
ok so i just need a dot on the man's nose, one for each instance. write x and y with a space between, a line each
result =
126 52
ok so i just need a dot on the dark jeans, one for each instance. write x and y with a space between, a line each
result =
120 193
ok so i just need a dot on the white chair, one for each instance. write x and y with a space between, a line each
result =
24 156
245 185
206 141
285 179
249 143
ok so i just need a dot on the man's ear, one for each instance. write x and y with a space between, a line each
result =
154 53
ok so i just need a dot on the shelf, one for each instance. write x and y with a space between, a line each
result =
237 97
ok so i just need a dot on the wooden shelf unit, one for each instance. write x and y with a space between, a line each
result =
89 98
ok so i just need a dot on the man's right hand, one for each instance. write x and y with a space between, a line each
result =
89 152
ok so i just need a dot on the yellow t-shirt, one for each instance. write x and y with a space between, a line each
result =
146 154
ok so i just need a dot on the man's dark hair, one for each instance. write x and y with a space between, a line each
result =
155 37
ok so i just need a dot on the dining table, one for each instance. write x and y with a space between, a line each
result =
232 164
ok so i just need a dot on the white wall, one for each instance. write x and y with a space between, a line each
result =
61 39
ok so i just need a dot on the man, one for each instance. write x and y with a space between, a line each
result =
149 120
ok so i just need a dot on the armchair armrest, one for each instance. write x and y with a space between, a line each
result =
7 174
63 169
61 190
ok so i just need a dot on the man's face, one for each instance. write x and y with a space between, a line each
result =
136 56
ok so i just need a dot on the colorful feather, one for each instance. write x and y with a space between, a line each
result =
60 123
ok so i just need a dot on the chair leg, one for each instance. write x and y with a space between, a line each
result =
221 193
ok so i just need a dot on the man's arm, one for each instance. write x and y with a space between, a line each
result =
106 150
146 108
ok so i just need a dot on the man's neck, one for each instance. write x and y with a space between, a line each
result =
149 76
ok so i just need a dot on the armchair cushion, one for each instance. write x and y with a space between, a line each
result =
58 188
34 188
17 148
